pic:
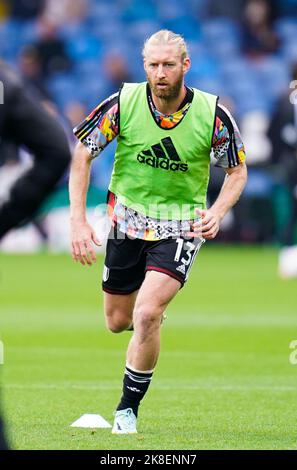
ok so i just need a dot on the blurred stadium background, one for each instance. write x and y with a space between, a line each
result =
74 54
224 379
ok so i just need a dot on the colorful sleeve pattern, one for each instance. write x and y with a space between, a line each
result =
100 127
228 148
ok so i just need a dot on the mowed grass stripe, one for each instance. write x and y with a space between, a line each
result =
223 380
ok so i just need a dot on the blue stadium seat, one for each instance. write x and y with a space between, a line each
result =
197 8
235 68
9 38
174 11
84 47
287 7
71 32
286 27
260 183
204 66
252 100
124 25
140 30
244 85
110 31
185 25
136 10
224 48
196 49
64 88
289 52
100 16
95 91
88 67
273 75
28 33
220 29
207 84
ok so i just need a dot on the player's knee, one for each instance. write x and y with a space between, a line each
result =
116 323
116 327
147 316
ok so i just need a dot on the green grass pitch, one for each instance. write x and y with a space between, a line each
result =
224 380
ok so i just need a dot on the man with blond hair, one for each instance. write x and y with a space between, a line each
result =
165 134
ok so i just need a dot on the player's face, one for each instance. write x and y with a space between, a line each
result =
165 71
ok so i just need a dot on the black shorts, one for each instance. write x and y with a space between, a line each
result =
127 260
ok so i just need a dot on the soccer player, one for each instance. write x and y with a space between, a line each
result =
25 122
157 199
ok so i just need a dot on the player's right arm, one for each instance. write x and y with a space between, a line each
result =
82 234
94 134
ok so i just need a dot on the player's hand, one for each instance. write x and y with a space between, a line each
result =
207 226
82 239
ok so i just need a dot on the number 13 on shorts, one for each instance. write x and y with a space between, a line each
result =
186 252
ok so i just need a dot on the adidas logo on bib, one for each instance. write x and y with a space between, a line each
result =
162 155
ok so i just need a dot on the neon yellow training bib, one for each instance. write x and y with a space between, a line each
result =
162 173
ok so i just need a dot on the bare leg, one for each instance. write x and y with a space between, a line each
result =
118 311
156 292
153 297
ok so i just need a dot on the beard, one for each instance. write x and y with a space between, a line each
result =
170 92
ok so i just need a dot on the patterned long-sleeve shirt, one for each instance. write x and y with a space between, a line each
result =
102 126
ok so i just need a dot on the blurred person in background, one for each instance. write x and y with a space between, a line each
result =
165 132
61 12
258 36
283 135
24 9
74 112
285 7
3 443
232 8
3 10
51 49
26 123
116 70
30 67
16 160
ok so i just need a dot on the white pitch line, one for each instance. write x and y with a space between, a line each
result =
99 387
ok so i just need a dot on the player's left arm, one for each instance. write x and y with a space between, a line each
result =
234 183
229 153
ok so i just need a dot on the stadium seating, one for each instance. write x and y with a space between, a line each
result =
211 41
218 65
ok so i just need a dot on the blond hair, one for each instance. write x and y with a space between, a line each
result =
165 37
